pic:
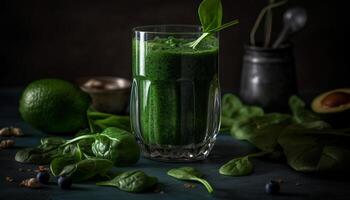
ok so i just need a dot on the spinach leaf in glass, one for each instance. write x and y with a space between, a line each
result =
190 174
131 181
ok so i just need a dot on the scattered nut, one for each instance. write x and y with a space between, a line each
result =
298 184
30 183
9 179
20 169
5 132
41 168
11 131
4 144
16 131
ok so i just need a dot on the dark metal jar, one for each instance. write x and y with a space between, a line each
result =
268 77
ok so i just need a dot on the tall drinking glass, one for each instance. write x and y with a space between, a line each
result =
175 97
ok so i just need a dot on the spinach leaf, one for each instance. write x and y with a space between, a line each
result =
230 105
71 154
312 146
190 174
113 144
249 112
99 121
300 113
237 167
234 112
43 153
131 181
241 166
116 145
334 159
35 156
59 163
85 146
308 143
210 14
86 169
85 143
52 141
262 131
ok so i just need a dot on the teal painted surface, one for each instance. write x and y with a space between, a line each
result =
295 186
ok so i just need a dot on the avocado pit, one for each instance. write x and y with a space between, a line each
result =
333 101
336 99
333 107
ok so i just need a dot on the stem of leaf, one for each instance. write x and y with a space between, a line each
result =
258 154
260 17
205 183
91 127
77 139
206 34
228 24
196 42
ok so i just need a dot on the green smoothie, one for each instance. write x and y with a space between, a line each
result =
174 87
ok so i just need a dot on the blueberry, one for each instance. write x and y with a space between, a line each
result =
272 187
43 177
64 182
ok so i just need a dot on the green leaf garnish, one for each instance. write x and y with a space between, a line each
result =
131 181
210 14
190 174
241 166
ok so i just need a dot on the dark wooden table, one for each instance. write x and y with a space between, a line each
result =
295 185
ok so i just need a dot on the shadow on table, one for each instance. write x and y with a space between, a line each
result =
231 194
76 187
294 195
224 194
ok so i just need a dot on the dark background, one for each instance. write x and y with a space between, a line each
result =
73 38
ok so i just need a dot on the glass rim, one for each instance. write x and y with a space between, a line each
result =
144 29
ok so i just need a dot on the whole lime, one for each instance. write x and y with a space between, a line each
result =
54 105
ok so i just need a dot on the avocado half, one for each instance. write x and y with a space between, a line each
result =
333 106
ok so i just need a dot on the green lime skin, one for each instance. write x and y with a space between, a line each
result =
54 106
